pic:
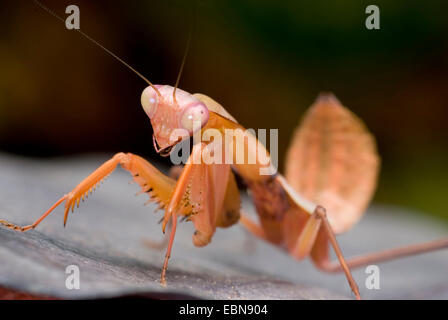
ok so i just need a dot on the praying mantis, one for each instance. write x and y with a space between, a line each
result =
331 171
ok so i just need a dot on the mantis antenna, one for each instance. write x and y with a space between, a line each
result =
99 45
182 66
190 34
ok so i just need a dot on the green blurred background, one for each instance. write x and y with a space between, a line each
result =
265 61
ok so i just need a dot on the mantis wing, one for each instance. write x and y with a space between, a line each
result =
333 161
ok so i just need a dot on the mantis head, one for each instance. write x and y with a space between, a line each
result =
174 113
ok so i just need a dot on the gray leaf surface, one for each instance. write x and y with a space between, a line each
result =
104 238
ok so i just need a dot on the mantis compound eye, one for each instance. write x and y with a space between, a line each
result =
194 117
149 101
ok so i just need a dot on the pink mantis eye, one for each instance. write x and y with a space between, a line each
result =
194 117
149 101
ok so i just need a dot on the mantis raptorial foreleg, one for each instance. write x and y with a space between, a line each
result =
210 193
174 173
158 186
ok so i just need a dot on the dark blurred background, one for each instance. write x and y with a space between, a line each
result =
61 95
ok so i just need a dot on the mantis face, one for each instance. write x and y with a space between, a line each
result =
172 119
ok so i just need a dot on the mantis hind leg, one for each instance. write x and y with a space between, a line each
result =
321 257
310 238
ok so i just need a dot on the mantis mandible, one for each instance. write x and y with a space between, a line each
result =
300 213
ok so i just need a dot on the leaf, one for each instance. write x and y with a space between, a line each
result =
106 239
333 161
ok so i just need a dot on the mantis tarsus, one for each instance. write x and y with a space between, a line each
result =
300 213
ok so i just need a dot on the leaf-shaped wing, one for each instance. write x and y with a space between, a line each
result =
333 161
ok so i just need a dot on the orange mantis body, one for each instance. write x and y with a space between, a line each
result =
332 163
